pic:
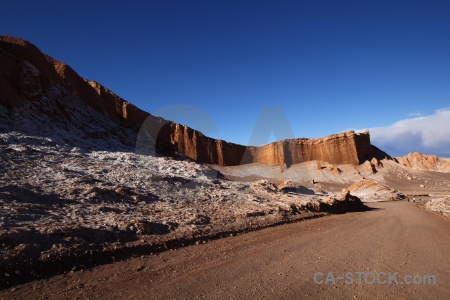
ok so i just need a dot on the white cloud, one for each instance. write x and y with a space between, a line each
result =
415 114
427 134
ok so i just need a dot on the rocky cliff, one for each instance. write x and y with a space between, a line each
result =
343 148
29 77
26 74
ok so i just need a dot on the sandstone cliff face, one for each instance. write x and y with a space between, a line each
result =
343 148
27 75
424 162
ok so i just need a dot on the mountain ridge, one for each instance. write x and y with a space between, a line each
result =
28 76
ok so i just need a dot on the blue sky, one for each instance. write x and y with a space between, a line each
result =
329 65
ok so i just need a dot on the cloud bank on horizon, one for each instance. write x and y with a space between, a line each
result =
427 134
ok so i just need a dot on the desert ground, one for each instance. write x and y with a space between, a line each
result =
96 224
278 262
65 209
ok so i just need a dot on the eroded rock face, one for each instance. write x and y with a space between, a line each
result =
26 74
424 162
343 148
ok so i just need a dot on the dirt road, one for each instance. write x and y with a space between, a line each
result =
281 263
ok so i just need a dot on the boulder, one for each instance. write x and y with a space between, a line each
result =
373 191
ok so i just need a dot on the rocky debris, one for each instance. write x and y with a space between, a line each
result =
144 227
372 191
59 203
266 185
424 162
439 205
337 203
287 186
200 220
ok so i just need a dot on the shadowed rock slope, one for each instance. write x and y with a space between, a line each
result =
52 99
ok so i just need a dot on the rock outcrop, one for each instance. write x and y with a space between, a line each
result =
441 205
424 162
342 203
369 190
28 75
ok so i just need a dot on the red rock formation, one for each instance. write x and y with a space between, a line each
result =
25 73
343 148
424 162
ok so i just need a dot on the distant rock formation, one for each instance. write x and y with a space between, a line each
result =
28 75
424 162
343 148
